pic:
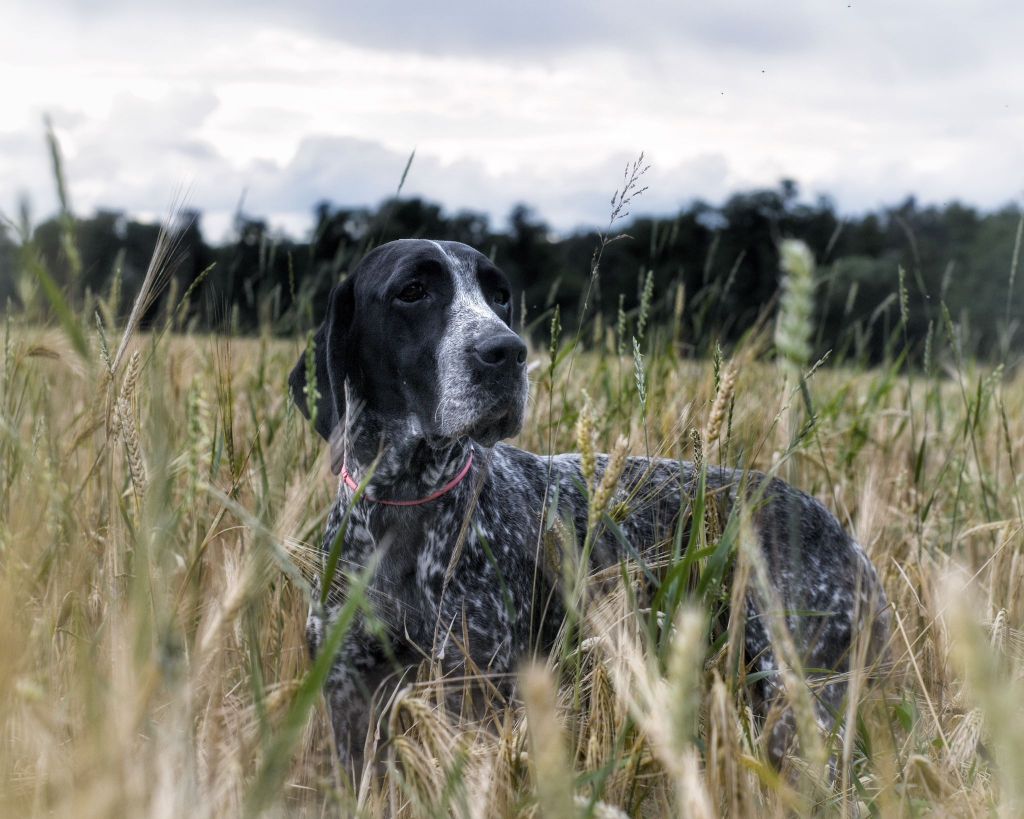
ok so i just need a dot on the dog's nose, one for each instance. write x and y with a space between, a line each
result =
500 352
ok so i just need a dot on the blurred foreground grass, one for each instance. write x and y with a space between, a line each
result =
156 517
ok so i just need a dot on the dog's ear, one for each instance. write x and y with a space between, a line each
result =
329 364
300 383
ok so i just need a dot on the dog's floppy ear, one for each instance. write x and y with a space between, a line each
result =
329 364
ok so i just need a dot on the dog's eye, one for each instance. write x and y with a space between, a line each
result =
502 297
414 291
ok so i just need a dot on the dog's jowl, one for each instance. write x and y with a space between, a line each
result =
417 376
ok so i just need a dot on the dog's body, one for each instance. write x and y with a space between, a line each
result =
419 375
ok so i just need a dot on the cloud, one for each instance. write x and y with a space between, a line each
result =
916 34
539 102
352 172
527 28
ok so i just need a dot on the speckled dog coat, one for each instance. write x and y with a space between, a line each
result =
416 372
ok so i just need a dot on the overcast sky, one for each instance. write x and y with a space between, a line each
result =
288 103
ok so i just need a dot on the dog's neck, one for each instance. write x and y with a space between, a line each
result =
402 463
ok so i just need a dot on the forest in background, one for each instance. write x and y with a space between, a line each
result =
720 263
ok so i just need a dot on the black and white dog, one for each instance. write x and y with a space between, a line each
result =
418 376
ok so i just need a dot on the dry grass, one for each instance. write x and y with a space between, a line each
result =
155 519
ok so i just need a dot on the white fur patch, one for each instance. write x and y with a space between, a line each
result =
469 317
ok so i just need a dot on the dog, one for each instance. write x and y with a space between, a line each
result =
415 377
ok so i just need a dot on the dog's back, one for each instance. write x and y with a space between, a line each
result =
814 574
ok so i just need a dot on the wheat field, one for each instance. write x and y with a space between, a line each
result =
162 503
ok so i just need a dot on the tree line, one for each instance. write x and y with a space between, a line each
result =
888 277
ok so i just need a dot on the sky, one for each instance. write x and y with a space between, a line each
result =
273 106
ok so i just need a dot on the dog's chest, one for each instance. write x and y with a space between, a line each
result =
407 553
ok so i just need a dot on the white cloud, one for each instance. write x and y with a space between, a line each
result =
290 104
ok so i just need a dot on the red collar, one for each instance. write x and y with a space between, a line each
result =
350 482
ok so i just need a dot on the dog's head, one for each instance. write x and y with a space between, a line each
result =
421 332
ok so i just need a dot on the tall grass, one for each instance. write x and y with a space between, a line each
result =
161 504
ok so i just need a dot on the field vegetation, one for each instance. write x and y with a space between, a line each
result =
161 507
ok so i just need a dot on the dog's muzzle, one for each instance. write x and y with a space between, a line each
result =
498 366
